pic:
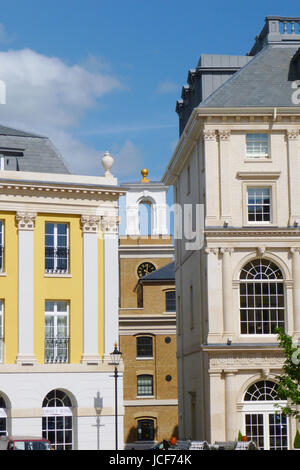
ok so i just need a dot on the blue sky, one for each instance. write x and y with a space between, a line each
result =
100 75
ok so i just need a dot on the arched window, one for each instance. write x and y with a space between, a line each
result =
261 297
262 391
145 217
58 420
263 422
145 430
3 417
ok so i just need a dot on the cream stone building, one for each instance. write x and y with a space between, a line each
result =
239 156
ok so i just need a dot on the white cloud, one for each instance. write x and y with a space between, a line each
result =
48 97
167 87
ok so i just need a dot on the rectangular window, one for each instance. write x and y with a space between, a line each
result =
145 385
1 331
259 205
1 245
171 301
144 346
56 331
257 145
56 248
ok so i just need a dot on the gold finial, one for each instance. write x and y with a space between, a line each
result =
144 173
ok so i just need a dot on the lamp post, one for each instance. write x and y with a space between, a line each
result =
115 359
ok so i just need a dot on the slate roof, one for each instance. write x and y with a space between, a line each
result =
38 154
265 81
166 273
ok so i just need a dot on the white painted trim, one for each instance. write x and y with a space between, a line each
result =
25 297
149 402
90 298
111 292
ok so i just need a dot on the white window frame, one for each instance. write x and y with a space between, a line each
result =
56 315
259 155
1 331
260 188
266 408
55 269
259 181
284 308
145 395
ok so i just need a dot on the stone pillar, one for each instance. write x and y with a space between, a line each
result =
26 221
90 225
225 174
212 170
109 226
228 314
296 289
293 170
217 402
230 405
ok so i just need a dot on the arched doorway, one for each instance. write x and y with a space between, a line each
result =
57 422
263 422
3 417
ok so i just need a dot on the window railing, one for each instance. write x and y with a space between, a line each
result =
56 350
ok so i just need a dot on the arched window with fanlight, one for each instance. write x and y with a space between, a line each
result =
263 421
262 302
58 420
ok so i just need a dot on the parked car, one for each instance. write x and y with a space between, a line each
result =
24 443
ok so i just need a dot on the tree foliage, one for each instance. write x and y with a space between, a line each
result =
289 381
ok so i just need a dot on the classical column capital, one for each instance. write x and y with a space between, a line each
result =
212 251
294 250
292 134
209 135
110 224
226 250
224 134
26 220
90 223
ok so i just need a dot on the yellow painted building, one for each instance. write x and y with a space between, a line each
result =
58 297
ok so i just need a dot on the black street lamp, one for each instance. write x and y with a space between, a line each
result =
115 359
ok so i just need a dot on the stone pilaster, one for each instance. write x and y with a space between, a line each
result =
228 317
90 227
109 225
26 223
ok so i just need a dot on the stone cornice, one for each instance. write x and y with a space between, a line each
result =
251 232
281 118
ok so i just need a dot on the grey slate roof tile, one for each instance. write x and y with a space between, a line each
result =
264 81
40 154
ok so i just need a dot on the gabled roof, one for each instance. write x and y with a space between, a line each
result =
265 81
166 273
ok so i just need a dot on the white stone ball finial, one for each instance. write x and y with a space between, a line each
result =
107 163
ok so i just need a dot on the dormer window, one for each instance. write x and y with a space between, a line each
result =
9 159
257 145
